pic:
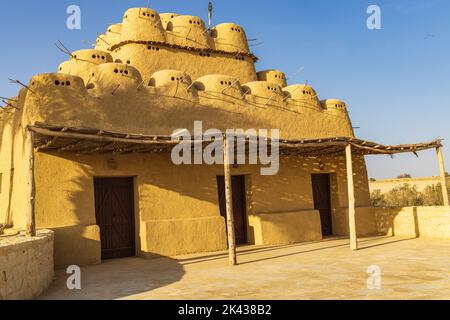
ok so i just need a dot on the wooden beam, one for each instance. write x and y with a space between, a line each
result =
95 137
351 199
31 190
229 204
443 177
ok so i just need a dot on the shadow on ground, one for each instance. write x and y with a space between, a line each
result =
115 279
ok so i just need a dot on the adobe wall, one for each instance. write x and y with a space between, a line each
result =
26 265
413 222
121 103
13 167
177 206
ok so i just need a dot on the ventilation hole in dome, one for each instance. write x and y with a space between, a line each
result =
128 62
57 82
62 83
103 57
126 71
68 83
121 71
173 78
116 71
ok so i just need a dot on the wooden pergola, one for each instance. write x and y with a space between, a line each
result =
49 138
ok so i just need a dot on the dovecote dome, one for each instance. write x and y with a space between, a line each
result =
230 37
188 31
166 78
262 89
219 84
301 92
142 24
274 76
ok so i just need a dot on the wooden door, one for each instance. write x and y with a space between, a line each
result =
239 206
114 209
322 201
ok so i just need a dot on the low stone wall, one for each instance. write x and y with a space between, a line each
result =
26 265
425 222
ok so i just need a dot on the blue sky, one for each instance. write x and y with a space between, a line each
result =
396 81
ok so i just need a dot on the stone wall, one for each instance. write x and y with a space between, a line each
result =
26 265
424 222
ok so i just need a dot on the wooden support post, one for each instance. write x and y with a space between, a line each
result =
443 177
229 204
351 199
31 192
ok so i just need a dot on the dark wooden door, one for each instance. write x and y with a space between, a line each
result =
114 209
239 206
322 201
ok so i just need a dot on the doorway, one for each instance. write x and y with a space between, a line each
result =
322 201
239 206
114 210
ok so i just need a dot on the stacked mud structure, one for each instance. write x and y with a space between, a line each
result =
86 151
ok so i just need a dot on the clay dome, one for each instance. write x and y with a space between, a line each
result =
219 84
301 92
263 89
335 104
142 24
230 37
166 17
166 78
187 31
274 76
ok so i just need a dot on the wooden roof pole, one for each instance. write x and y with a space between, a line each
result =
443 176
229 203
31 190
351 199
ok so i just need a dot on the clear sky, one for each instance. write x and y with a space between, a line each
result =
396 80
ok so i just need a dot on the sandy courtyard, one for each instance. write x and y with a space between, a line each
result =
411 269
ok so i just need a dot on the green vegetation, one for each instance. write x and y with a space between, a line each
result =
408 196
